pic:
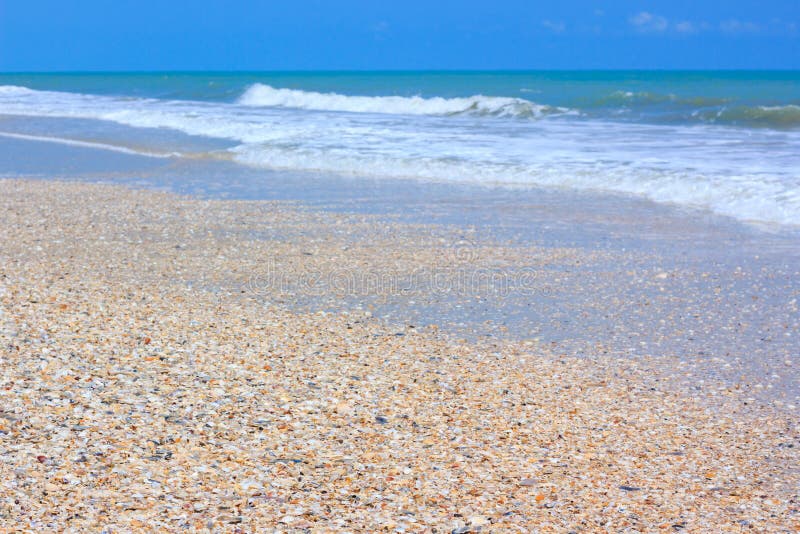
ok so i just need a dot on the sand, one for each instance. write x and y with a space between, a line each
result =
155 378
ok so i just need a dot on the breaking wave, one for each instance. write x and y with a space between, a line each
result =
12 90
259 95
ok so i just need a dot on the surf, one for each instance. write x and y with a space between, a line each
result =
260 95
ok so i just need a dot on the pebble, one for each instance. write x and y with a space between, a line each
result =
213 423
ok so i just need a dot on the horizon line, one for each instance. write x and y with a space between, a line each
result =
444 70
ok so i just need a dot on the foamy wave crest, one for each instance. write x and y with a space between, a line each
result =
265 96
10 90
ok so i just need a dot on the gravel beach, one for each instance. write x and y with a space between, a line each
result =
156 377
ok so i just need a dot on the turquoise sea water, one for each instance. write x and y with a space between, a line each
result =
728 142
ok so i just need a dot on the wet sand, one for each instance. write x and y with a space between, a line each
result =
713 299
158 375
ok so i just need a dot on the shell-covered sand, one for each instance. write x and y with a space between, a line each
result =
150 382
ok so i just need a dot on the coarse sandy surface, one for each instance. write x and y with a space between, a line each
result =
154 379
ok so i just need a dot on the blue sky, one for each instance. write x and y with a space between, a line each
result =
409 34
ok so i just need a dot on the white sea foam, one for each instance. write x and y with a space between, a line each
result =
747 174
737 196
267 96
15 90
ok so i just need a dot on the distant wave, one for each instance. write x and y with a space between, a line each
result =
764 116
645 98
267 96
698 109
638 97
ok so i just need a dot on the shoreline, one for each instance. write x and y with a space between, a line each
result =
145 386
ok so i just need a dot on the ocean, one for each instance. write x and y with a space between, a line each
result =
725 142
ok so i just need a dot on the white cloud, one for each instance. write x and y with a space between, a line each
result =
645 21
555 27
781 26
738 26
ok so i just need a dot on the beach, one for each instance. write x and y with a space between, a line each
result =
159 373
441 301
